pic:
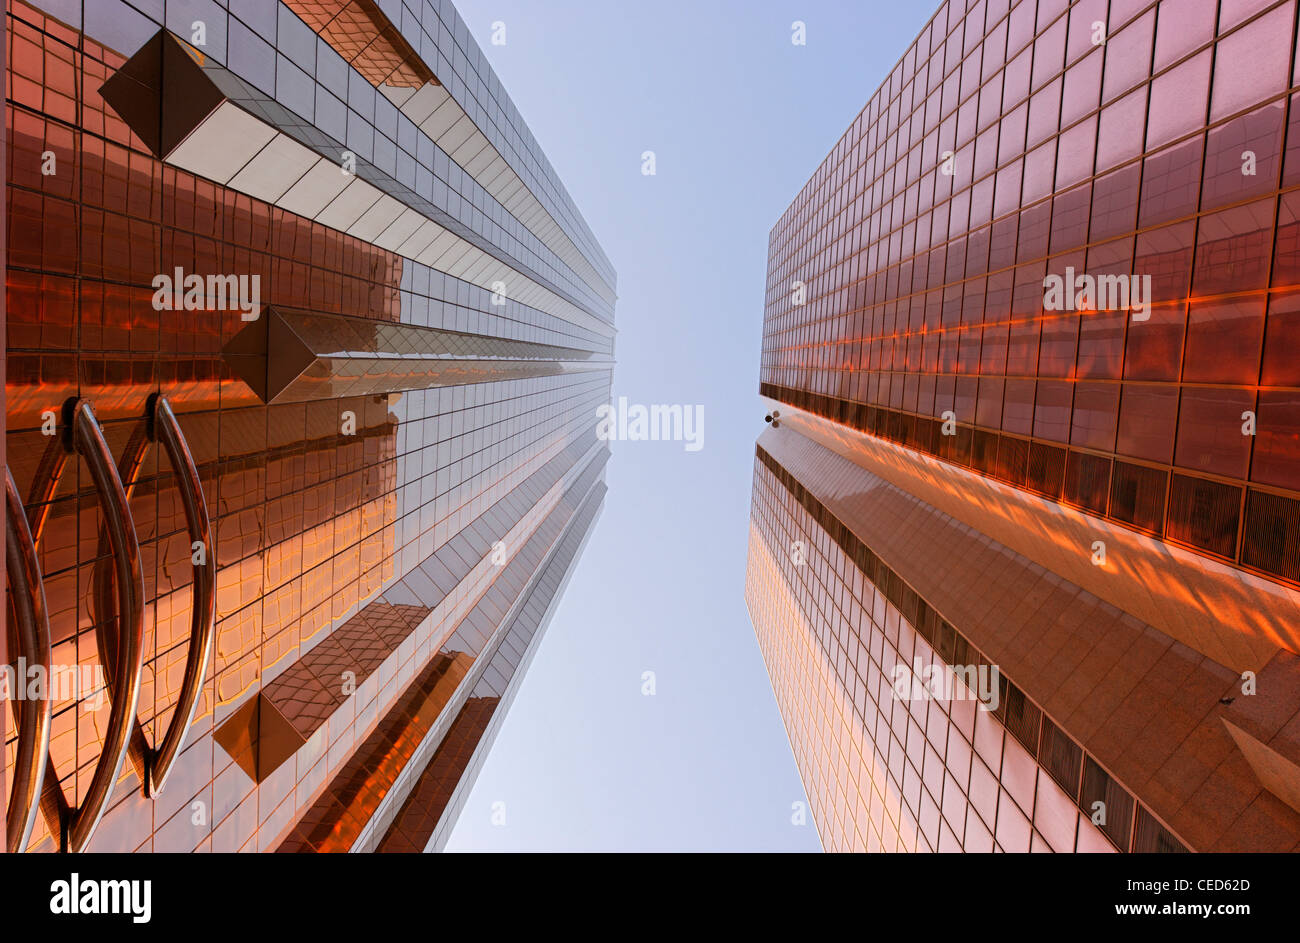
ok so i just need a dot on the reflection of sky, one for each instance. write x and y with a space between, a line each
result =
738 118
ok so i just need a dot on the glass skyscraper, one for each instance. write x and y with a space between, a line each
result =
305 345
1025 542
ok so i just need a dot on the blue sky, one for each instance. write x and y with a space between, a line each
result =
738 118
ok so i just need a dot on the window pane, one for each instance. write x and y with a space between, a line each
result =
1128 53
1114 202
1281 365
1166 255
1018 411
1182 27
1070 219
1178 101
1223 341
1082 88
1251 142
1120 136
1147 418
1074 157
1233 248
1101 343
1155 346
1171 180
1052 410
1286 254
1251 64
1094 416
1210 437
1291 170
1277 442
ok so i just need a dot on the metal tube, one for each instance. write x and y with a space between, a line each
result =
124 673
203 604
31 626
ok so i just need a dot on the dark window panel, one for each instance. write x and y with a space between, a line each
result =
1137 496
1087 481
1271 538
1107 802
1150 837
1204 514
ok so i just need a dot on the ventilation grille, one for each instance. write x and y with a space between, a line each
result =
1272 539
1204 514
1087 478
1137 496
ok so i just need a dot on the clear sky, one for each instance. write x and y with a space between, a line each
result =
738 118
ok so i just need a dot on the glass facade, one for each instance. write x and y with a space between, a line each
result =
1016 142
837 639
356 459
920 338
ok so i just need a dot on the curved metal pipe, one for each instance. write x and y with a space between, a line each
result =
153 765
31 626
123 671
53 804
204 602
104 581
121 619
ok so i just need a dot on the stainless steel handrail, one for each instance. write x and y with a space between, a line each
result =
31 624
155 764
204 603
104 582
120 617
53 804
75 826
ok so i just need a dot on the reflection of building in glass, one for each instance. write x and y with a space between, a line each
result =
1103 503
362 502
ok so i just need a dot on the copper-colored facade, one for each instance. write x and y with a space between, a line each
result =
1101 501
346 511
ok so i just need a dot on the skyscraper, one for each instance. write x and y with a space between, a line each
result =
305 345
1025 539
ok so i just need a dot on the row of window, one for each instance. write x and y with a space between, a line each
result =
899 307
1253 528
1128 823
50 72
939 771
1011 126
